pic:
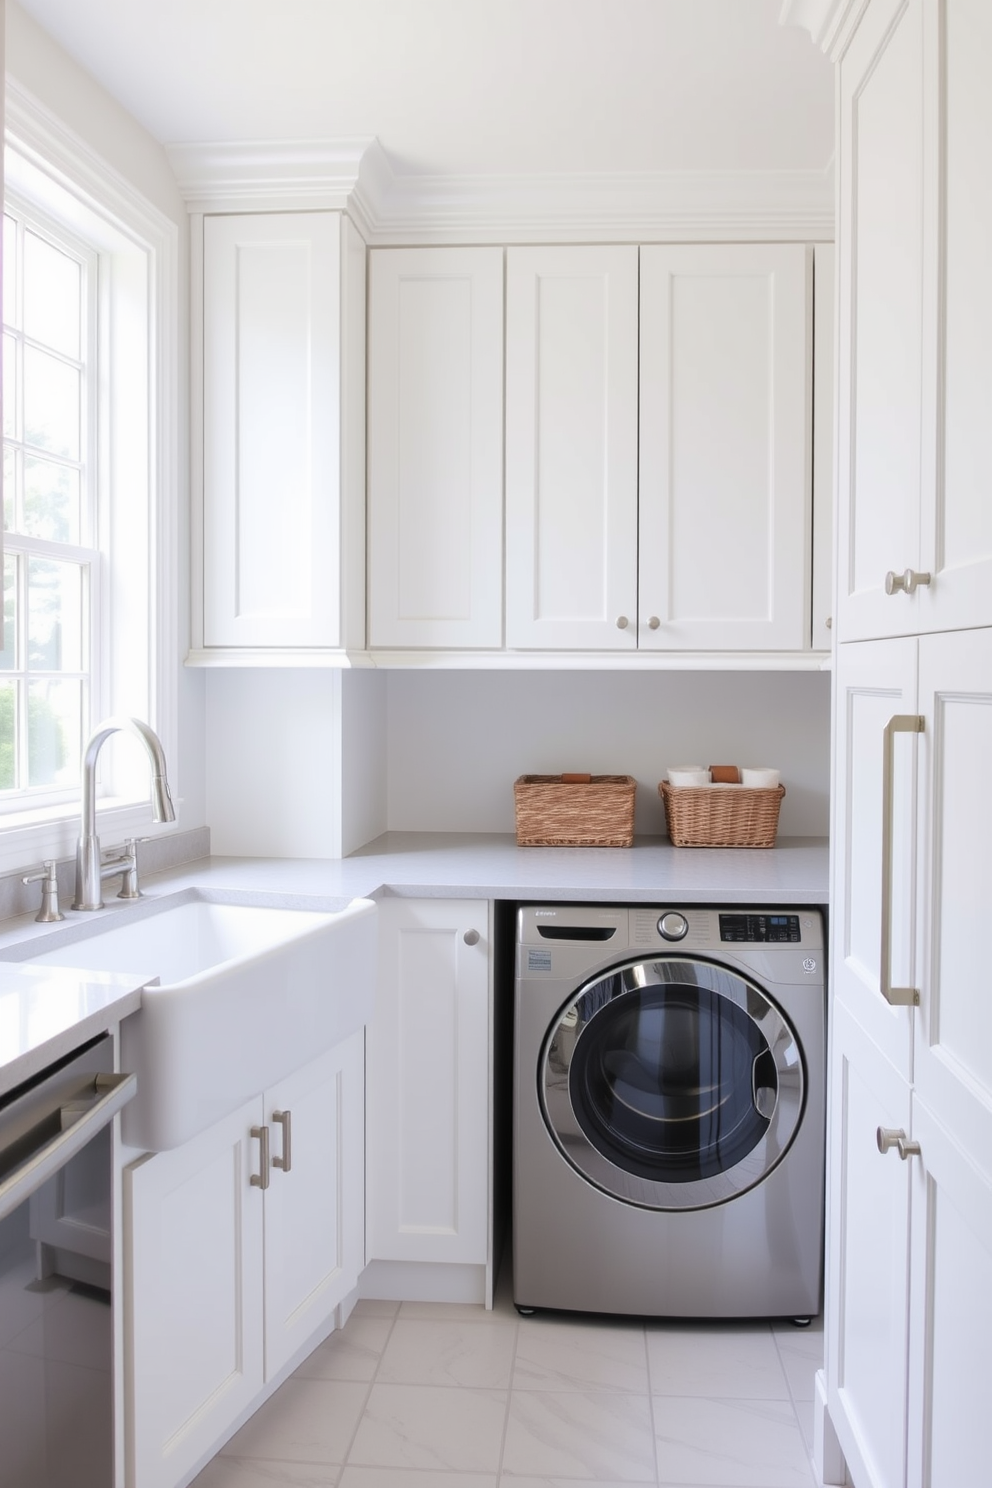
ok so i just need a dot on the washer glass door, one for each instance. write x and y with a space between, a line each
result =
672 1084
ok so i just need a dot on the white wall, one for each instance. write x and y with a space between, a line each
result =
458 740
273 763
315 764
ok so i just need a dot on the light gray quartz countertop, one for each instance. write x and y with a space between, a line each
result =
456 866
45 1012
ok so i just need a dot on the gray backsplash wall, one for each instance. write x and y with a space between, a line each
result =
457 740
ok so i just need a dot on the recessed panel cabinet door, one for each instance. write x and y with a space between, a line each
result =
956 533
868 1258
953 1055
193 1279
571 448
875 681
881 317
951 1313
275 454
314 1204
725 447
436 447
427 1135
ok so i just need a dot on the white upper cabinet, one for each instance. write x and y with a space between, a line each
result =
436 447
571 448
915 472
725 428
659 455
279 555
956 532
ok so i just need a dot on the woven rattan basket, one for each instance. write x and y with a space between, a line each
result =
734 816
574 810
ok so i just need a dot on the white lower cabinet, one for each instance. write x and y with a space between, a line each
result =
909 1242
427 1076
231 1265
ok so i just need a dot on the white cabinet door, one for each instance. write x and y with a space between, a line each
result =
824 442
951 1315
571 448
725 447
193 1282
436 447
282 561
314 1204
874 681
868 1258
953 1053
427 1077
956 531
880 424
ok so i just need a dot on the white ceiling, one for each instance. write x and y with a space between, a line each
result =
477 87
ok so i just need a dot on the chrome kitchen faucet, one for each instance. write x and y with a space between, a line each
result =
90 868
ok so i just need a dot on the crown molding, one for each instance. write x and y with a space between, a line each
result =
829 22
618 207
356 176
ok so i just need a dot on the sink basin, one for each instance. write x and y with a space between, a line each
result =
249 988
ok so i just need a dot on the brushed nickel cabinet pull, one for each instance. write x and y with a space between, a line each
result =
261 1178
900 723
285 1120
887 1137
905 583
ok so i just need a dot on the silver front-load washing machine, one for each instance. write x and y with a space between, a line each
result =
668 1139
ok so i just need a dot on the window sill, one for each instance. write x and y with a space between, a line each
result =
30 837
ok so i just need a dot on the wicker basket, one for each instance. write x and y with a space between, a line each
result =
574 810
737 816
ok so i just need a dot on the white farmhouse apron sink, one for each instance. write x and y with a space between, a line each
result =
242 989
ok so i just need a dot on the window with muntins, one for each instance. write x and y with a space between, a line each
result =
92 459
51 526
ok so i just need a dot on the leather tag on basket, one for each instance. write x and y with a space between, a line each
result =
725 775
576 779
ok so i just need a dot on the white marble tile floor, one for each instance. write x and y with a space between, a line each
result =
414 1395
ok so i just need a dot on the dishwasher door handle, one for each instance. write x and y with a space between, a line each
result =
81 1120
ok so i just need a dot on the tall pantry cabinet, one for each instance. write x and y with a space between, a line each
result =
909 1243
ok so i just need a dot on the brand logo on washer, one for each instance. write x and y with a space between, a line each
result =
809 964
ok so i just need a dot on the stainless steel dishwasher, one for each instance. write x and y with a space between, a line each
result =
56 1351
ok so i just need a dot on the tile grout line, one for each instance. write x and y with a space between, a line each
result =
509 1397
368 1392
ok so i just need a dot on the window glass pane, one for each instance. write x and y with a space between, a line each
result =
51 404
54 732
9 477
8 735
9 388
51 501
51 296
8 656
9 271
55 631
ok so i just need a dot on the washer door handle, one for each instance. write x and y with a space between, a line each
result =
764 1098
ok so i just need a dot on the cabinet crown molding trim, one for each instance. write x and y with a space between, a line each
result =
827 21
356 175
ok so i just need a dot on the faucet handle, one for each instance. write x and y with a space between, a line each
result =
129 878
48 878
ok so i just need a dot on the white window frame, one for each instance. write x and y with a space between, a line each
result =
138 463
42 799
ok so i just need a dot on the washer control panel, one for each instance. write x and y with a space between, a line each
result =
760 929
